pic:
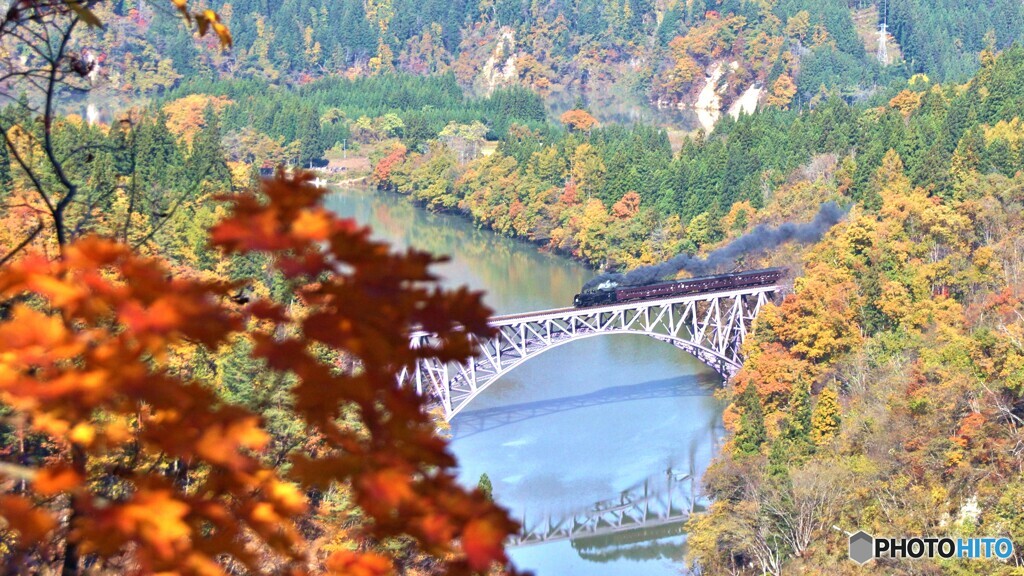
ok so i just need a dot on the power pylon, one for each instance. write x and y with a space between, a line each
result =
883 32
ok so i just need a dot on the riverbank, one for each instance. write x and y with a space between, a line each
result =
351 182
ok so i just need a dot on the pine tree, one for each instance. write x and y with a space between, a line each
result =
826 419
6 182
310 137
799 429
155 153
778 464
752 434
485 486
1000 157
207 160
777 475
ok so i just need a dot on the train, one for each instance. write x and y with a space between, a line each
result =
610 292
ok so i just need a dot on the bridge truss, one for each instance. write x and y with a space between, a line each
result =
710 326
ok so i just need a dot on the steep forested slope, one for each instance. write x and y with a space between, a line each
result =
942 38
662 50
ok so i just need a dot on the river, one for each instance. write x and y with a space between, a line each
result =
578 425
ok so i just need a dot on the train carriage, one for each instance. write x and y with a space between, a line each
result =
610 294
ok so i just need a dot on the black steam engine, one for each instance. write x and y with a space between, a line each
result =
610 292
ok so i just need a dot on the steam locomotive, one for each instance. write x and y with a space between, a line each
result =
609 292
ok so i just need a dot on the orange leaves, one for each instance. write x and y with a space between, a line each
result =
364 307
970 426
53 481
783 91
87 365
33 338
160 316
156 518
482 540
222 443
312 225
59 293
906 102
578 120
186 116
386 489
346 563
285 497
627 207
28 521
254 226
382 171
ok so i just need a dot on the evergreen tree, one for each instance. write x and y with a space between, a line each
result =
752 434
310 137
207 160
6 181
1000 157
799 429
485 486
155 154
778 465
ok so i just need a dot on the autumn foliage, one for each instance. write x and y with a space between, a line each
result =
149 470
578 120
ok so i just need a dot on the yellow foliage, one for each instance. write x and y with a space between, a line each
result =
239 173
185 116
783 90
740 216
1012 132
919 78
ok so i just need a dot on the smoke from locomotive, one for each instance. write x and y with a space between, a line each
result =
760 239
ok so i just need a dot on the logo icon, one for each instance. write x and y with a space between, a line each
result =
861 547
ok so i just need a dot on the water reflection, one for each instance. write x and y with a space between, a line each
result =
475 421
576 425
616 109
664 543
655 509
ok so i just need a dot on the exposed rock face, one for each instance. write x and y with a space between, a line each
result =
500 67
709 101
747 102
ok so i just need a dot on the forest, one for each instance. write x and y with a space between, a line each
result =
187 387
622 51
620 196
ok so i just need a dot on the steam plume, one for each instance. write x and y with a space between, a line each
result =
761 238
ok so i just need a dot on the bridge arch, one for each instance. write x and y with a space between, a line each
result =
724 366
709 326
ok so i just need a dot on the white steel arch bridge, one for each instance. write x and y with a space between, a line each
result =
709 325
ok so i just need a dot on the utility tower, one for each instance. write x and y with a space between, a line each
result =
883 32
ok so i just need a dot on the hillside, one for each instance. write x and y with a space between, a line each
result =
208 361
661 52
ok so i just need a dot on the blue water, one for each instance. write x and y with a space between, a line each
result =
577 425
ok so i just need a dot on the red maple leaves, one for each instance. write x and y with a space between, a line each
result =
160 470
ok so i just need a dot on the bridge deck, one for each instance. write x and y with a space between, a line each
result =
534 314
537 314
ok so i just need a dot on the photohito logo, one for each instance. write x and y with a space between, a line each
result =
864 547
